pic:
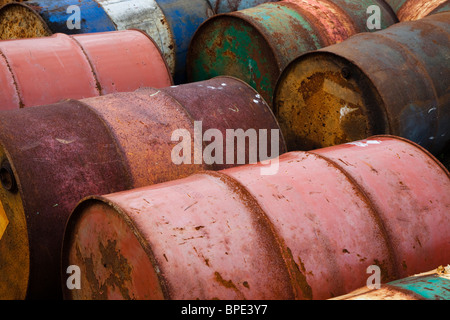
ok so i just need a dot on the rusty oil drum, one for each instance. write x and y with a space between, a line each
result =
256 44
171 23
54 155
309 231
432 285
408 10
395 81
79 66
224 6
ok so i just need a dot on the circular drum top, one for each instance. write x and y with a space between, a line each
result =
18 21
323 100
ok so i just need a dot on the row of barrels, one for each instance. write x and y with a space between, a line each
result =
314 226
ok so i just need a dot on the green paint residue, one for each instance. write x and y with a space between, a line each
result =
433 287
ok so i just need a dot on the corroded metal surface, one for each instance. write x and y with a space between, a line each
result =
13 16
393 81
433 285
408 10
256 44
87 65
96 146
308 232
224 6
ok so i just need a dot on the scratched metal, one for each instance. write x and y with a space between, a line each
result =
393 81
307 232
256 44
96 146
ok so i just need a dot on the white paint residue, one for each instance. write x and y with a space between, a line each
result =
212 88
258 96
64 141
432 109
345 111
255 101
224 84
152 95
364 143
431 138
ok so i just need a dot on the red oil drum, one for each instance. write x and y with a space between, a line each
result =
47 70
308 231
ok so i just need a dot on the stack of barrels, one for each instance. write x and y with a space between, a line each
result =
194 149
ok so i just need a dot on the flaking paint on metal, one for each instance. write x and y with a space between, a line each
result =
61 154
330 260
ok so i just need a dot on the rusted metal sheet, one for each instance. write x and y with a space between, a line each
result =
432 285
171 23
393 81
310 231
224 6
79 66
98 145
256 44
408 10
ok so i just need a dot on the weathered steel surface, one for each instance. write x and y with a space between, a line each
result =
308 232
224 6
79 66
407 10
95 146
393 81
256 44
433 285
184 17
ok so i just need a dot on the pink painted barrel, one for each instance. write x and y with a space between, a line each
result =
47 70
309 230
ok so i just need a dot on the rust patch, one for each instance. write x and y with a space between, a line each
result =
18 22
228 284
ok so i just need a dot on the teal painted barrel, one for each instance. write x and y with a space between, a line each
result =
256 44
433 285
224 6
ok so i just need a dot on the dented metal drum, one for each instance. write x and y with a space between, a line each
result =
256 44
308 231
408 10
79 66
171 23
394 81
224 6
53 156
